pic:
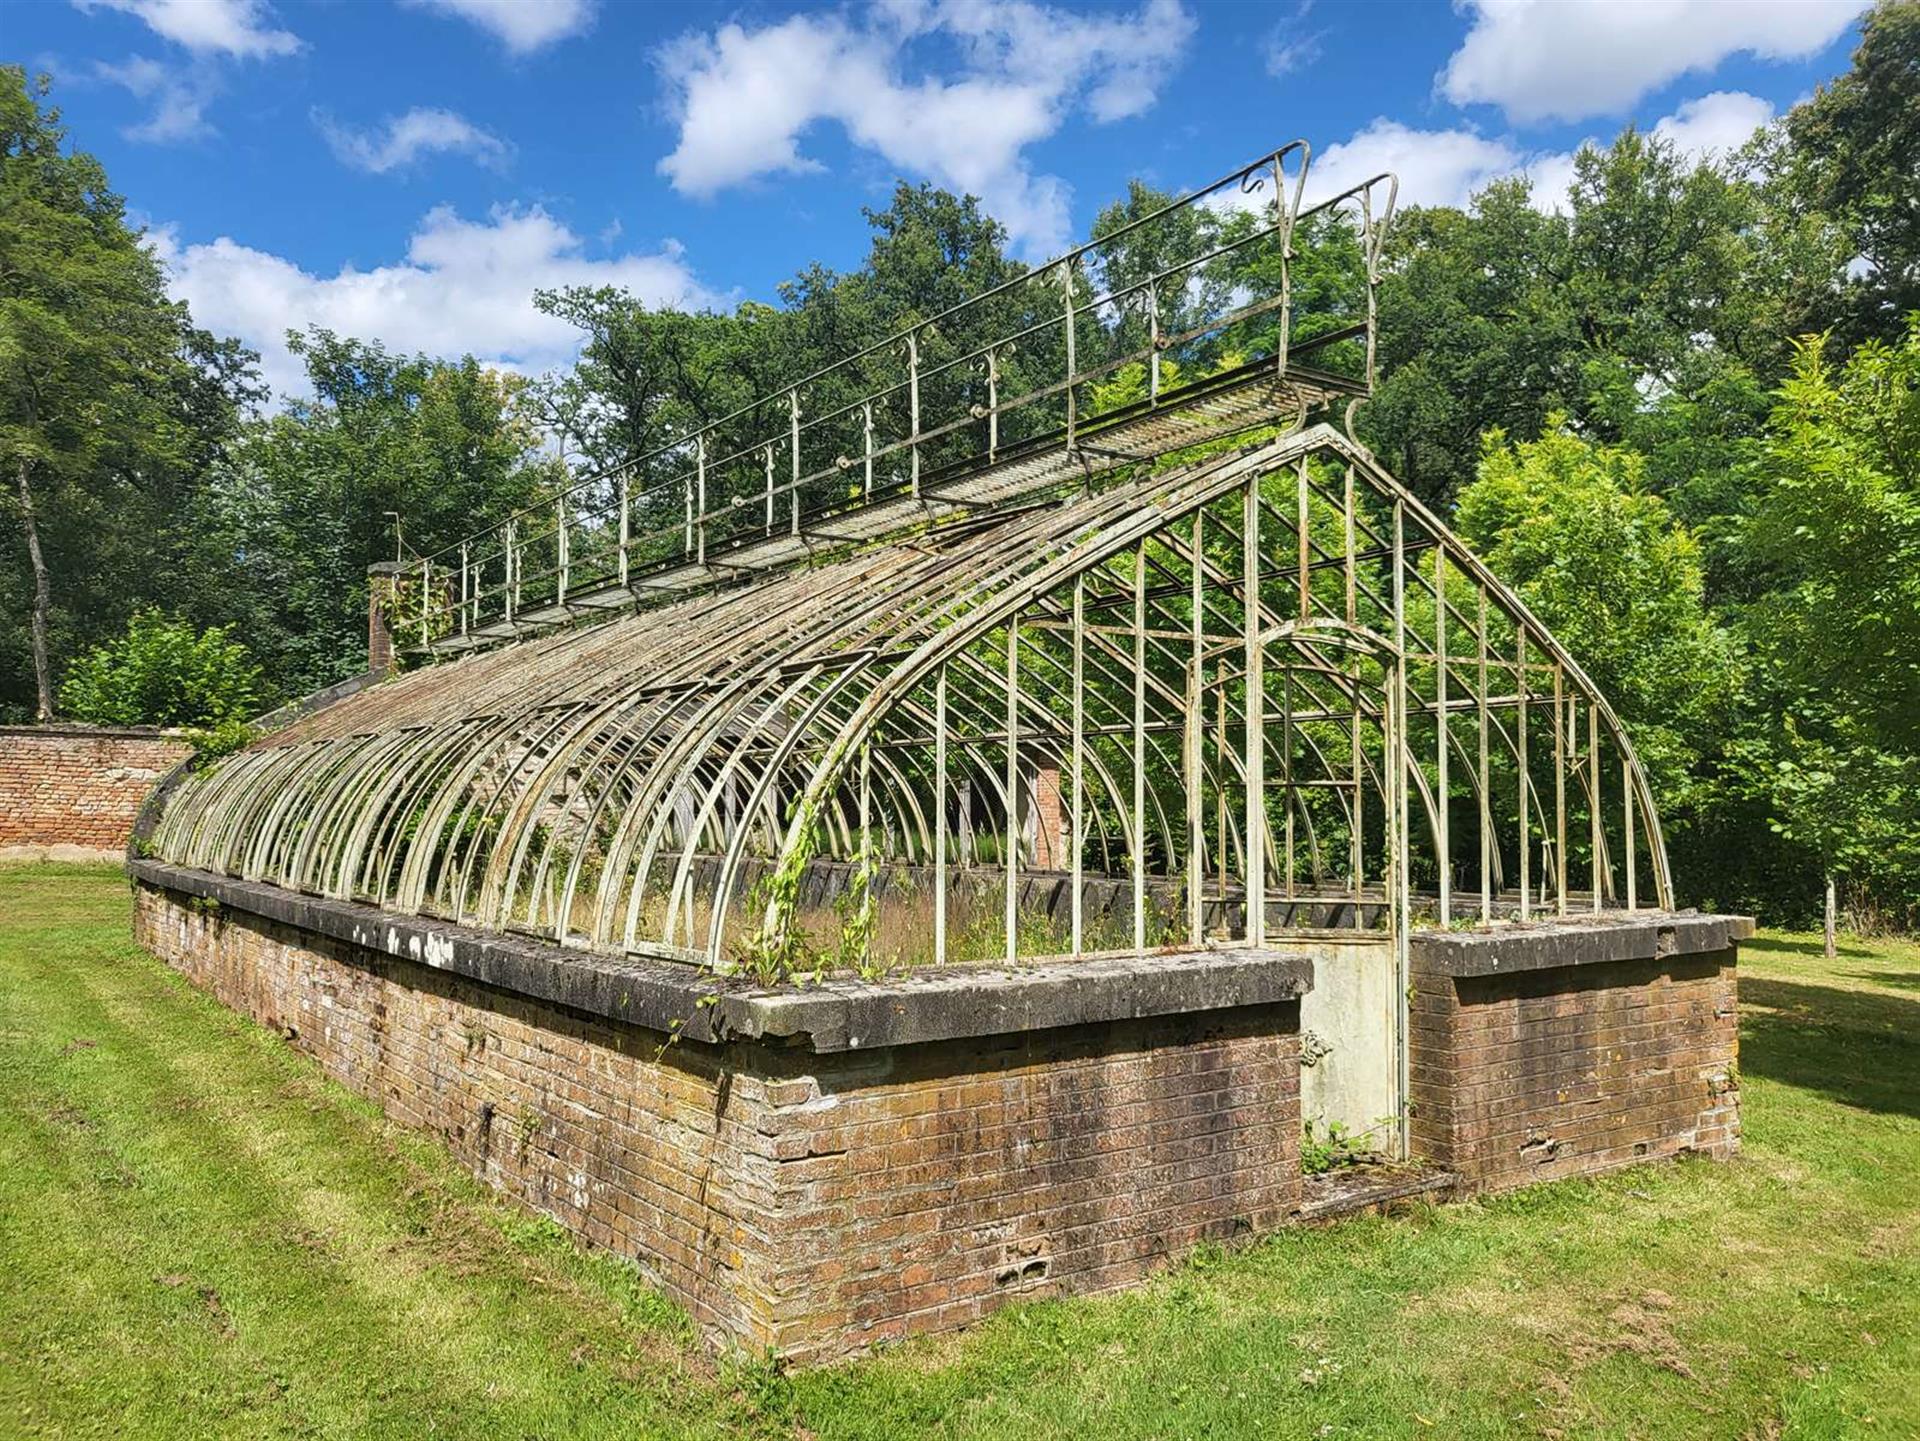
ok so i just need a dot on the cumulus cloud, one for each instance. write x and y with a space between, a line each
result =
404 139
743 98
1446 167
240 28
180 98
1714 126
1569 59
1435 167
464 286
523 26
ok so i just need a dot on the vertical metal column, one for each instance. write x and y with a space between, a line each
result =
700 521
1593 801
793 444
1400 764
1255 760
940 816
1442 818
1190 752
1079 757
1013 787
1561 727
1139 846
1073 410
1526 780
1485 775
913 404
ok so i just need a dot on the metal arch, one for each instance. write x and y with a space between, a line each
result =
661 756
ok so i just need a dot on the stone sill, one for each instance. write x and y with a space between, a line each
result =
951 1003
1574 941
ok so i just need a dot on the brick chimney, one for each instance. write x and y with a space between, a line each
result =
1046 827
381 577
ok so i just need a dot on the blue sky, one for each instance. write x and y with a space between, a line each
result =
413 169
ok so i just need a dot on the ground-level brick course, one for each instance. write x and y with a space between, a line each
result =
75 790
808 1203
1563 1071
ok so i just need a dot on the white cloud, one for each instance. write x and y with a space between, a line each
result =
465 286
1289 45
743 98
1435 167
404 139
1446 167
241 28
1706 128
523 26
180 98
1714 126
1568 59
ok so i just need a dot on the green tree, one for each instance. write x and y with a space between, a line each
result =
163 672
111 403
1655 310
306 500
1856 157
1620 582
1835 630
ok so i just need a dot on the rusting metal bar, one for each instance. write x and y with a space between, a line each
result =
1562 724
1013 788
700 524
1597 839
1140 747
1441 813
1073 408
793 493
1078 920
940 880
1255 760
913 403
1626 806
1484 786
1526 779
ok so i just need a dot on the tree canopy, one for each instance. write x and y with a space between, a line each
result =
1676 407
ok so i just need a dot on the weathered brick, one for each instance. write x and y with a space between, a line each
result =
1567 1071
809 1203
78 786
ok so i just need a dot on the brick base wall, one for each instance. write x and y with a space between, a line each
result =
1570 1070
74 787
809 1203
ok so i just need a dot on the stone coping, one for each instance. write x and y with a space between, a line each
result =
949 1003
1575 941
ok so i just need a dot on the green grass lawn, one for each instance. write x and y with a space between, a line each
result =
200 1236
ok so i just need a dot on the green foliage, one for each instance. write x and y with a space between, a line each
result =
1835 537
165 672
112 405
1644 304
1323 1149
294 516
1855 156
1605 565
416 1299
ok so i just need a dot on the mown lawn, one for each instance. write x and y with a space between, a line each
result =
200 1236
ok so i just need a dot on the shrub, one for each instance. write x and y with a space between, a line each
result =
163 672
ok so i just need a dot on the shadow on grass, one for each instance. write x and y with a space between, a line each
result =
1857 1047
1898 980
1784 946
